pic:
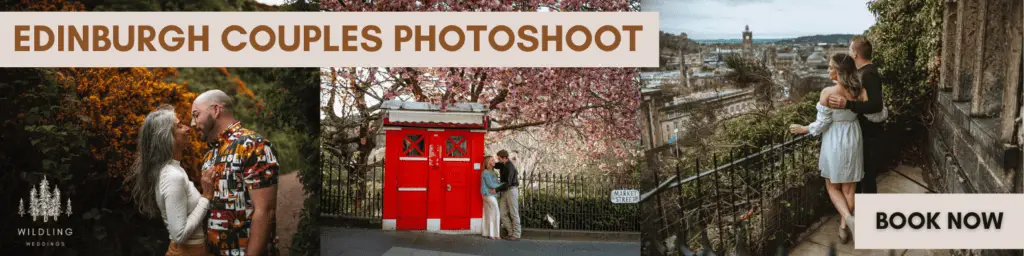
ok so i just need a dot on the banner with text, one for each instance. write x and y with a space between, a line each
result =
939 221
315 39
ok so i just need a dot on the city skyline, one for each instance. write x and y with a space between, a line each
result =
768 19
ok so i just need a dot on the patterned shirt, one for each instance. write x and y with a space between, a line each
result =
243 161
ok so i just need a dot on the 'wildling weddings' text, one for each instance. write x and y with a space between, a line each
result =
45 232
306 38
930 220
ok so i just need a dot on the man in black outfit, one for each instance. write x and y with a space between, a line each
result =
508 202
860 50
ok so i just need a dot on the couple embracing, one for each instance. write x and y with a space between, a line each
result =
234 213
849 122
499 186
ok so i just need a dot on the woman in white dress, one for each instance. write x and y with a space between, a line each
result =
488 182
841 156
160 186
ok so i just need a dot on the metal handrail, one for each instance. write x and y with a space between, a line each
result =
674 180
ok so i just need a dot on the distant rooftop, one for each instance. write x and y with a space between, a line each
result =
660 75
787 55
701 96
654 80
704 74
816 58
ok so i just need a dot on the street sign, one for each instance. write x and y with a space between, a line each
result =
625 196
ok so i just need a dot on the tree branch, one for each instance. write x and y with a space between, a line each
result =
518 126
411 80
478 86
498 99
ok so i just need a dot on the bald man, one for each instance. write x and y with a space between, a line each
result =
241 216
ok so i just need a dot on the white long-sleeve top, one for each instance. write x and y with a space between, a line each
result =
181 205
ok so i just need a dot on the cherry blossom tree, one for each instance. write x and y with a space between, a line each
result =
583 114
596 107
534 154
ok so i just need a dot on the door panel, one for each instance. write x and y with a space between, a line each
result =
412 180
456 171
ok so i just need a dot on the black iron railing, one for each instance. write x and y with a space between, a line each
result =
749 200
354 198
546 201
576 202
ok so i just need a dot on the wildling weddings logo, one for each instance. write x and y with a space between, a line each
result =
44 207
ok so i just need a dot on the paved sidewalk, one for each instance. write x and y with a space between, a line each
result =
364 242
904 179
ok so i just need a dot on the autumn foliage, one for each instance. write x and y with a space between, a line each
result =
49 6
78 128
112 104
258 106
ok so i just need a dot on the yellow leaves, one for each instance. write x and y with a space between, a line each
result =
50 6
240 88
117 100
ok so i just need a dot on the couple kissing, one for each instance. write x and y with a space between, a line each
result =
234 212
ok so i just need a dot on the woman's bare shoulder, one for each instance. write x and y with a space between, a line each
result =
825 92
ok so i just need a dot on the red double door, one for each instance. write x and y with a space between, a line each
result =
434 178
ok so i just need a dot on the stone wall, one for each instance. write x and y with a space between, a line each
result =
965 153
966 61
974 138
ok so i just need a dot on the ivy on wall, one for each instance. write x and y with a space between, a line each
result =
906 42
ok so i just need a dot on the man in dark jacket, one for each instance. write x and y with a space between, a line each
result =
860 50
508 202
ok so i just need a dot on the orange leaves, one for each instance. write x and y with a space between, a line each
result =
240 88
110 105
113 103
50 6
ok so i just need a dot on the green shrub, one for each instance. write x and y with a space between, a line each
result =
905 40
37 145
592 213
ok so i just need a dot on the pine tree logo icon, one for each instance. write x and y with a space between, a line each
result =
43 203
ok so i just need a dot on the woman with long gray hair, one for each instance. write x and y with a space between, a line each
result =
160 186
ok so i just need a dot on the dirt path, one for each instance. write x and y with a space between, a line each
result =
289 205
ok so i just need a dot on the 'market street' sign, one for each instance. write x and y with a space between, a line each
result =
625 196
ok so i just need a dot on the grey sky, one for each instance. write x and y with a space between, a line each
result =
725 19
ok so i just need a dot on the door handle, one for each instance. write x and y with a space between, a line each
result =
449 187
